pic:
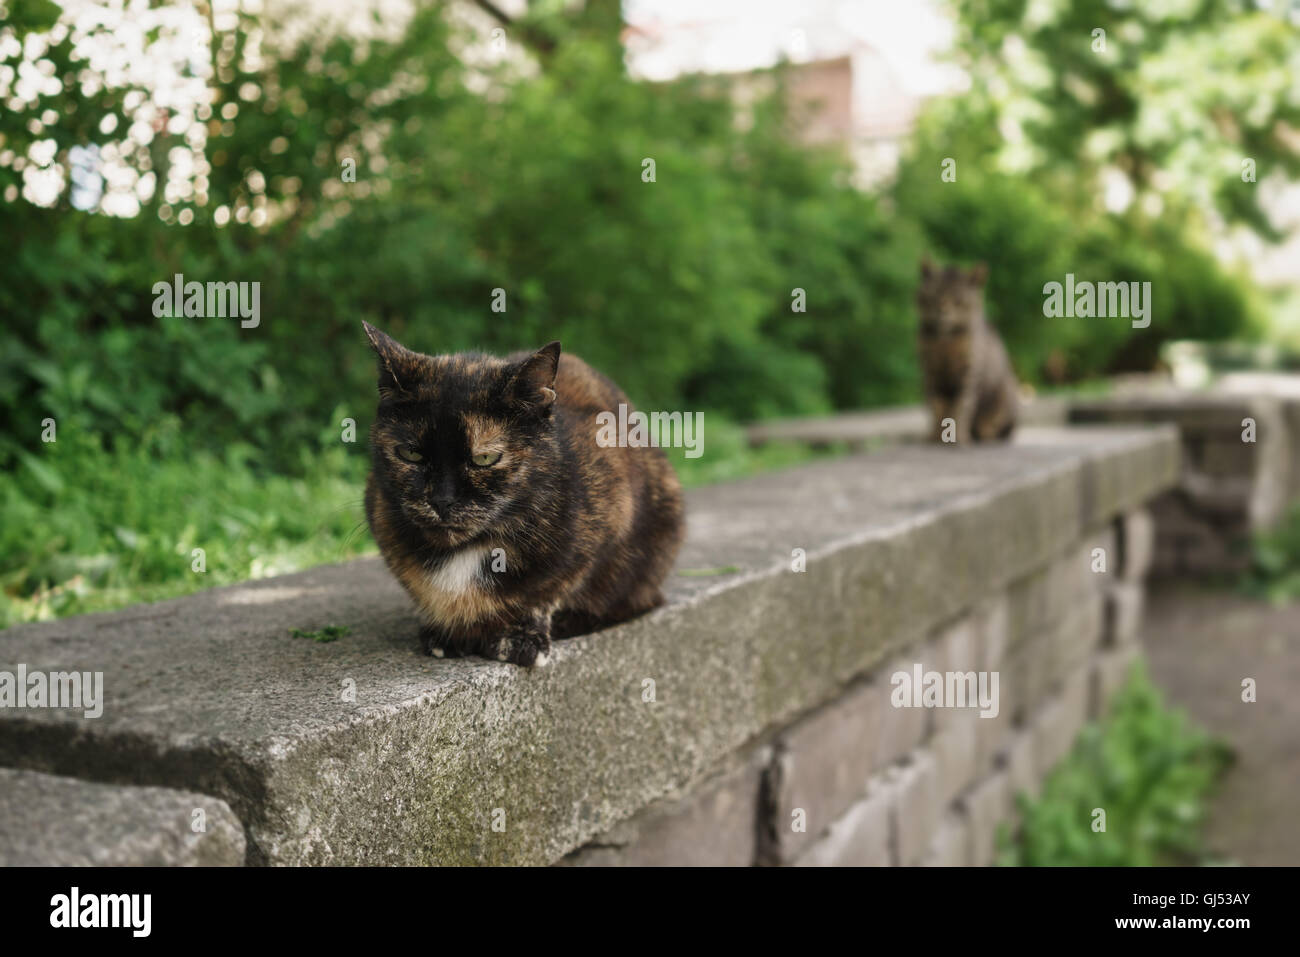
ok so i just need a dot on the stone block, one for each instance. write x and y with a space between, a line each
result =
916 807
1023 775
859 838
1109 672
715 824
1137 537
1059 721
956 756
988 804
950 846
899 729
1124 605
52 821
824 760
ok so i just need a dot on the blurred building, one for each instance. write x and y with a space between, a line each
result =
862 69
858 71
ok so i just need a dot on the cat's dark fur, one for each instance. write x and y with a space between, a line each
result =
559 535
965 372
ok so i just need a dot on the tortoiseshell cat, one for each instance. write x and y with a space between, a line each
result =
497 510
965 371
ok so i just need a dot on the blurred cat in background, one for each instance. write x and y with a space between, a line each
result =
965 372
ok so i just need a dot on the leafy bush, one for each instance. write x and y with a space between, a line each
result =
469 179
1035 231
180 433
1147 767
1274 572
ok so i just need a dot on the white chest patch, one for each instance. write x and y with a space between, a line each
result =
460 573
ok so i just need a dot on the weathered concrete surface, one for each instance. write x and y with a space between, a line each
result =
1285 387
822 762
1200 645
988 804
715 825
917 806
905 423
860 838
951 844
51 821
1229 486
365 751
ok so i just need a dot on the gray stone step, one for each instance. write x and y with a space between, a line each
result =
51 821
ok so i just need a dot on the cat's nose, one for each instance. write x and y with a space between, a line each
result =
442 494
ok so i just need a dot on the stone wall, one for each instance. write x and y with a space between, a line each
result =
1239 471
1233 483
860 431
858 781
758 697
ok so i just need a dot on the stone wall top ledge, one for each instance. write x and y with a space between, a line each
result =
364 751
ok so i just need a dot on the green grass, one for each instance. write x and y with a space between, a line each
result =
727 455
89 529
327 634
1147 767
708 572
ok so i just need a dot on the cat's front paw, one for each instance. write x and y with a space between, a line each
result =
528 645
436 644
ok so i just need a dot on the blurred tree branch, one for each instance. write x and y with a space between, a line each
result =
539 40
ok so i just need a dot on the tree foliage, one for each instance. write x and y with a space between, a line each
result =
1173 95
408 174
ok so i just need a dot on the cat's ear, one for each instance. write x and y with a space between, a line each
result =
979 273
533 382
927 267
395 361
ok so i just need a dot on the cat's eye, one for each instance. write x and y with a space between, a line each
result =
409 453
484 459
